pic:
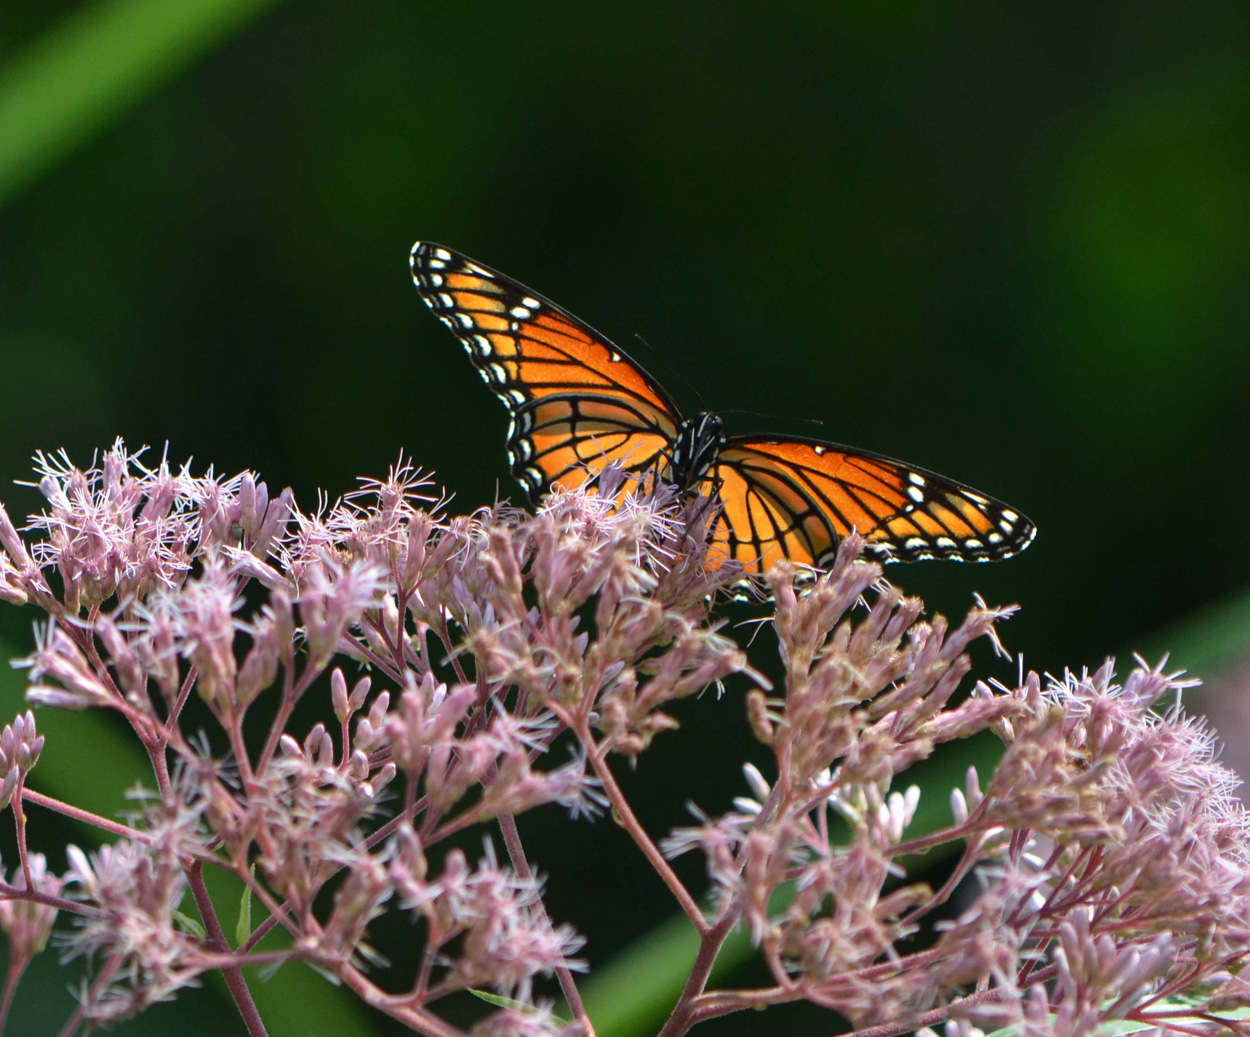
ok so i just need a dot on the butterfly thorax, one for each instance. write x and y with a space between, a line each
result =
695 448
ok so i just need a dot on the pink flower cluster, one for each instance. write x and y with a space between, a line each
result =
501 662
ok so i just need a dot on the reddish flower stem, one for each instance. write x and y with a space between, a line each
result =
516 853
19 818
13 976
232 974
710 942
107 972
629 821
410 1015
85 816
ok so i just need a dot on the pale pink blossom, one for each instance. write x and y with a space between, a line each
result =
469 669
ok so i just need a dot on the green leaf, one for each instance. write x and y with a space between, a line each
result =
243 927
189 925
93 67
494 999
503 1002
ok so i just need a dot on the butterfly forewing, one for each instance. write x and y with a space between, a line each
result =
577 402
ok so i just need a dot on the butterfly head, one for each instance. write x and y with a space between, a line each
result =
695 448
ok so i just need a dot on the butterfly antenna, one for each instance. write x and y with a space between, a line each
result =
771 417
671 370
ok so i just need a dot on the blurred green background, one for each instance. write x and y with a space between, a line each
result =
1005 243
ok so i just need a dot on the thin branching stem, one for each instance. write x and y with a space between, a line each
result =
232 973
628 820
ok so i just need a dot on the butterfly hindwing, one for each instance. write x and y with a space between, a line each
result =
577 402
567 439
796 498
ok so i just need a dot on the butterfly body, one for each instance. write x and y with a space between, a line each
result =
579 404
695 449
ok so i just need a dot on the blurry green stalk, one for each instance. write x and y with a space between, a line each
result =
92 67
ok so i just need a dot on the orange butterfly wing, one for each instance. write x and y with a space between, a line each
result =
577 402
796 498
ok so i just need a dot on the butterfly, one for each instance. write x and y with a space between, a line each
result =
578 404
